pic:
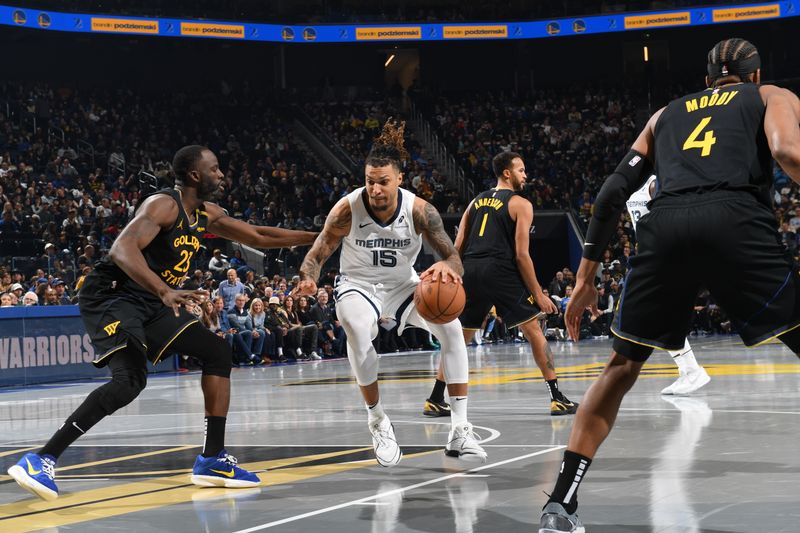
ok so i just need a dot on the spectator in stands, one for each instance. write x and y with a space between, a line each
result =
50 258
6 300
9 223
30 299
558 285
230 288
278 324
87 258
303 337
258 317
218 265
17 289
50 296
240 320
61 292
331 333
237 261
231 334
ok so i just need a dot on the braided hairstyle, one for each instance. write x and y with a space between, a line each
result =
388 148
732 60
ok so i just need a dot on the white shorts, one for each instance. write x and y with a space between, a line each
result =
395 305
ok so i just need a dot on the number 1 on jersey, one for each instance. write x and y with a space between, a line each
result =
708 139
483 224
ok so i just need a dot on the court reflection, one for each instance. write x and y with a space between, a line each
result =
670 494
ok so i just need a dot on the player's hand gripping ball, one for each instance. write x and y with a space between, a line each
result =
437 302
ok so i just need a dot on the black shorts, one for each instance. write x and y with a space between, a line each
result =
118 316
726 241
488 284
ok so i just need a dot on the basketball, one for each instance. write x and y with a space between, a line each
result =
439 303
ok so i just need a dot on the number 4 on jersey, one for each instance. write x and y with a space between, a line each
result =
708 139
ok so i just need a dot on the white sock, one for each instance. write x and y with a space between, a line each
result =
375 412
684 358
458 410
280 350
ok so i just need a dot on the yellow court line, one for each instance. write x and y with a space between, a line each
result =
18 450
115 500
124 458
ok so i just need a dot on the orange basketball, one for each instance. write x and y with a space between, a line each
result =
439 303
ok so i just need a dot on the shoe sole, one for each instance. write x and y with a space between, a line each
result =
705 380
390 464
215 481
566 412
31 485
436 414
469 457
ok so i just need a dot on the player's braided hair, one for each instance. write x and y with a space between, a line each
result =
388 147
732 60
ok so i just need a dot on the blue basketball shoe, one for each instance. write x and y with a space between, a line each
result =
221 471
36 474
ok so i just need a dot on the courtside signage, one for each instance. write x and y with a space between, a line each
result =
392 33
747 13
475 32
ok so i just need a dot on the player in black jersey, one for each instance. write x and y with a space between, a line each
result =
711 220
493 241
131 306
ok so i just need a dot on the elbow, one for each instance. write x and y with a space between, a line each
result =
787 154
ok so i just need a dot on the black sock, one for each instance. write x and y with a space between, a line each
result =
68 433
215 436
552 387
438 391
573 469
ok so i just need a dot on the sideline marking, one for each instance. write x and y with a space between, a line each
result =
362 501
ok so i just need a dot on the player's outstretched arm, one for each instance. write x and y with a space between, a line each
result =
233 229
521 211
157 212
337 226
428 223
782 129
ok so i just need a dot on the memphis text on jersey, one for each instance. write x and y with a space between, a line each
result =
174 276
383 243
707 101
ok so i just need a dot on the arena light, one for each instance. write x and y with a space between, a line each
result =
646 54
391 58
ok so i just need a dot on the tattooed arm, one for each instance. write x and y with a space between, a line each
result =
428 223
337 226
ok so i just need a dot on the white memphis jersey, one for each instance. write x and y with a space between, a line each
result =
376 253
637 203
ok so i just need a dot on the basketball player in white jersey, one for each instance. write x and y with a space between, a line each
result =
380 228
692 375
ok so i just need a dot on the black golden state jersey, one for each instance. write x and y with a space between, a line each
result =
170 253
491 229
713 140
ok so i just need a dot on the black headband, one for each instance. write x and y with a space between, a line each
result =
739 67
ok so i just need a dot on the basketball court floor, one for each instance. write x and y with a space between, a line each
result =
723 460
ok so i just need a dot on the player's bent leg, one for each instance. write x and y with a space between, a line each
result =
593 422
358 318
559 404
35 472
214 467
462 441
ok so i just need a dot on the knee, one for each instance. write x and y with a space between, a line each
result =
218 360
125 386
621 371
